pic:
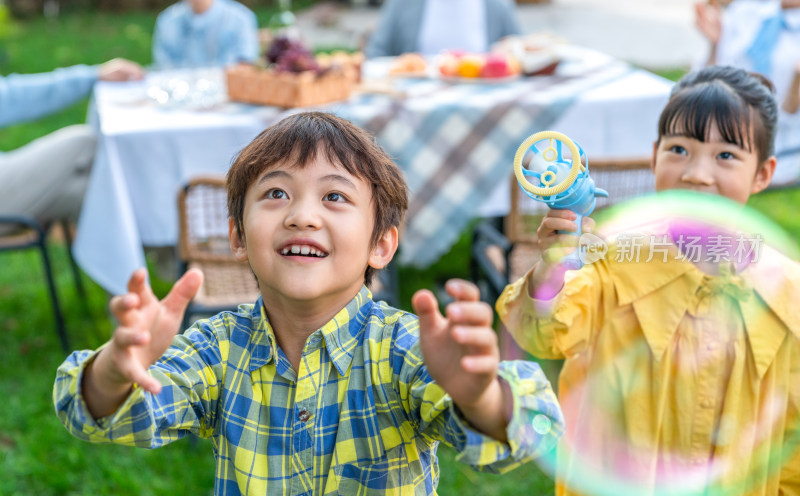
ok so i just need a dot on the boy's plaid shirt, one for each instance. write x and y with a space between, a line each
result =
362 416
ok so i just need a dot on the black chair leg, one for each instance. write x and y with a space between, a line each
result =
76 274
51 286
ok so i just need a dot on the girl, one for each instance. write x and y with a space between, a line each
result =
680 369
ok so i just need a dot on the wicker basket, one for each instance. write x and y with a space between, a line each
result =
251 84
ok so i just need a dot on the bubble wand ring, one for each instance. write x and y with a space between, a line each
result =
563 184
548 177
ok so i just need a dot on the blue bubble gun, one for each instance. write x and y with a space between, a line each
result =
561 182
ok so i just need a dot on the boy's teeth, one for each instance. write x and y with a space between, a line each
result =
302 250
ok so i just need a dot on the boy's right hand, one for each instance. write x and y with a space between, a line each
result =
146 329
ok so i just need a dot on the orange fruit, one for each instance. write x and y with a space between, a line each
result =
470 66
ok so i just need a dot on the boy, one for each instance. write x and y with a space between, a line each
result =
315 389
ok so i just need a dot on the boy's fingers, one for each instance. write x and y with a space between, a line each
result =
123 303
462 290
427 309
183 291
121 306
480 364
139 375
470 313
137 284
128 336
478 338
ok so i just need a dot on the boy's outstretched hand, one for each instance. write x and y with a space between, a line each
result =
146 328
461 353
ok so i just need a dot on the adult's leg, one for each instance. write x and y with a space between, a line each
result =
47 178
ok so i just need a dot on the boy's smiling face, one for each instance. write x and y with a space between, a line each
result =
307 233
713 166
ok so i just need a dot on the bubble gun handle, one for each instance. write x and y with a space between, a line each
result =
563 182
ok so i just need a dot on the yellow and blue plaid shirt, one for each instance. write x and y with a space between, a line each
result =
361 416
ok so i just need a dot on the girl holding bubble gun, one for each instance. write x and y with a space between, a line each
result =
681 370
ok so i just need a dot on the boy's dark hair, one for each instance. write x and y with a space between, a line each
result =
297 139
734 99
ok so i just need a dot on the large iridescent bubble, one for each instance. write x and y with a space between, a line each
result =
682 362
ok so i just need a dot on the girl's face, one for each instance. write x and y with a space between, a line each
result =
714 166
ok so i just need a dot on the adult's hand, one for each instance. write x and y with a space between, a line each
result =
708 19
121 70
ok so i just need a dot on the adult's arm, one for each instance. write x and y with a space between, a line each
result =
382 41
501 18
24 97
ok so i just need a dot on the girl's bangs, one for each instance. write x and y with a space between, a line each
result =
693 111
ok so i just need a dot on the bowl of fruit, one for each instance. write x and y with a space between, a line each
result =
292 76
477 67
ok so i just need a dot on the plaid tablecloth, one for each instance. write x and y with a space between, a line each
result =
456 143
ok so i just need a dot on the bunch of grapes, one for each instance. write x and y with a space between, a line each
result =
291 56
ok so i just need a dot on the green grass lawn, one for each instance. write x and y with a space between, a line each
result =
37 456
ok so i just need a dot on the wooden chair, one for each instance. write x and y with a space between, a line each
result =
203 243
23 232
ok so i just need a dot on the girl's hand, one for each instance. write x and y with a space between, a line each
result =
555 246
547 277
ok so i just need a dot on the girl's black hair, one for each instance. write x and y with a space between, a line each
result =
733 99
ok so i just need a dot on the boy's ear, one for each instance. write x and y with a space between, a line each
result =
764 175
384 250
238 246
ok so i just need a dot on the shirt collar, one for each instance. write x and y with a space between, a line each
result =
638 284
341 334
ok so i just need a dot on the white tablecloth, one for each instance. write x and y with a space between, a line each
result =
455 144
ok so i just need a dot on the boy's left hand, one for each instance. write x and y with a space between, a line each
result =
461 352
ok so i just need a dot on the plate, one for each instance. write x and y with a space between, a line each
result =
478 80
410 75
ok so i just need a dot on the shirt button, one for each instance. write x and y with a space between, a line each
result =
541 424
705 403
303 416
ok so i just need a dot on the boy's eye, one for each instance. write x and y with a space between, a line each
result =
335 197
276 194
727 155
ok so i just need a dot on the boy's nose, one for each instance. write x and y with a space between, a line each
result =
302 215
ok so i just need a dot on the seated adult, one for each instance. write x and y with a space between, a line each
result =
46 179
431 26
205 33
762 36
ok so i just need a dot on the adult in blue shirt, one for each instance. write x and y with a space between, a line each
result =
205 33
431 26
46 178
